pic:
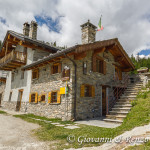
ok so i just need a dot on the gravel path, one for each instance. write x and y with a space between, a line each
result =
16 134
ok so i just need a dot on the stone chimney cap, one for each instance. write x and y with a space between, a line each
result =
34 23
26 23
88 23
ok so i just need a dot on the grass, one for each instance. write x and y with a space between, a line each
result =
2 112
138 116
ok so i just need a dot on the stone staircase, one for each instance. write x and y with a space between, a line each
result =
123 105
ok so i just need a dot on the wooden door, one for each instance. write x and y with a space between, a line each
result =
18 106
103 101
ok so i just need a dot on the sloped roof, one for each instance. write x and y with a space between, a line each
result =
85 47
22 37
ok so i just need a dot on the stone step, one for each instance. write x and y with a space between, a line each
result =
122 106
113 120
130 92
126 100
118 112
121 109
129 96
118 117
123 103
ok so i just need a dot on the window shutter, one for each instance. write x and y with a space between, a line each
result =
82 90
49 97
93 91
104 67
36 97
59 68
58 97
39 98
30 98
94 63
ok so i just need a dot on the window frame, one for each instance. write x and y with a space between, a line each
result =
40 98
59 65
91 91
37 74
50 100
97 68
35 99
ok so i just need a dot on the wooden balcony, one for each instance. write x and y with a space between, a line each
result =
13 60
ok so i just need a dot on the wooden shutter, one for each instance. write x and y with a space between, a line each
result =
49 97
39 98
36 97
30 98
82 90
58 97
104 66
93 91
94 63
59 68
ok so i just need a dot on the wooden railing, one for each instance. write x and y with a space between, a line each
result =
113 97
14 56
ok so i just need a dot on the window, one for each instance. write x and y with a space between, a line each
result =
35 74
22 74
87 91
42 98
84 67
33 98
13 76
66 74
56 68
54 97
99 65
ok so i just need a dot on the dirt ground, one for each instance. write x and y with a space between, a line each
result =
16 134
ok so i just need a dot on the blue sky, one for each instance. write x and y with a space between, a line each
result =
53 24
145 52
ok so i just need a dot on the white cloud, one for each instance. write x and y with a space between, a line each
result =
127 20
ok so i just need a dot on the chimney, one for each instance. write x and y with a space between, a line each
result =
88 32
26 29
33 30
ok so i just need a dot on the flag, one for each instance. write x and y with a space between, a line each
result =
100 27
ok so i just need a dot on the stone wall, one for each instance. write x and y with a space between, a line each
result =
86 107
48 82
89 107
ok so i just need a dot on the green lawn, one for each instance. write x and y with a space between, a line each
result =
2 112
138 116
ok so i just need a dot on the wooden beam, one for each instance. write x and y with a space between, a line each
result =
119 58
101 50
80 56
